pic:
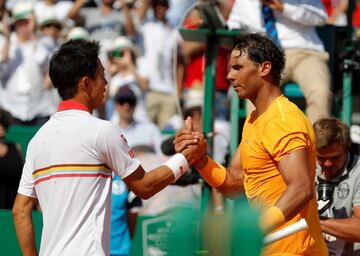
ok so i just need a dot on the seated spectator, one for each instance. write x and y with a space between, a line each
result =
338 186
138 133
11 164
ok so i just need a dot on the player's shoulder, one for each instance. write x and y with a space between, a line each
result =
106 127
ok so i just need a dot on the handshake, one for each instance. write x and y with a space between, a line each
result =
192 144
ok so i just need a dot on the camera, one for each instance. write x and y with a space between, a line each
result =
325 190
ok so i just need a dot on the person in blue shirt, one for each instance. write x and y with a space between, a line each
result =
122 218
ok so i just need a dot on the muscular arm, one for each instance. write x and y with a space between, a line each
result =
294 169
234 182
346 229
22 210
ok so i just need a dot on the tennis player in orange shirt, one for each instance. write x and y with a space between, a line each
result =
275 161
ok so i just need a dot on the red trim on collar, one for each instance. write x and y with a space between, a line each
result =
72 104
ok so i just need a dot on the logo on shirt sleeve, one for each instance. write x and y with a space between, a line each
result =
123 138
131 153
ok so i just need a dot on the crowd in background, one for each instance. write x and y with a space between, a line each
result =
155 77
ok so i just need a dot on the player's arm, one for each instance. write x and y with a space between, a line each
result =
146 184
295 171
229 181
24 227
346 229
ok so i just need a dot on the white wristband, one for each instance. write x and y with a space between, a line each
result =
178 165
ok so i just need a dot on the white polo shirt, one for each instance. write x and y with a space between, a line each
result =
68 168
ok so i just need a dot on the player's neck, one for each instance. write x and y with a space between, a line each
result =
265 97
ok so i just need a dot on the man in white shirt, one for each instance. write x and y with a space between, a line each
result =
23 66
160 45
138 132
306 60
69 163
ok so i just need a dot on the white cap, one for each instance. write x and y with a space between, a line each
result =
48 17
193 98
22 10
123 42
77 33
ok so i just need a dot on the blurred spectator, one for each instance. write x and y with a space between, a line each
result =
194 67
11 164
177 10
338 186
123 71
4 15
50 37
61 9
336 11
50 28
138 133
23 67
124 207
356 19
306 60
104 23
160 42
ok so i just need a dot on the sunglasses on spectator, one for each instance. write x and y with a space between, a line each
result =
131 102
54 25
117 54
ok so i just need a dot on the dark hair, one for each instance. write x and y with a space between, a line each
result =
259 48
125 94
329 131
162 2
74 60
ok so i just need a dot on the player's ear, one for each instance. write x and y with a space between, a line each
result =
84 83
265 68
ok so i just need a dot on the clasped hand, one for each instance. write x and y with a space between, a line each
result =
192 144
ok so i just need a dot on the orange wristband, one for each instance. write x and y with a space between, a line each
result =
213 173
271 219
